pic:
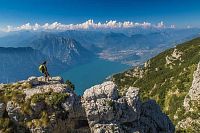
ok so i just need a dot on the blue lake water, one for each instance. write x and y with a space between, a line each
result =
92 73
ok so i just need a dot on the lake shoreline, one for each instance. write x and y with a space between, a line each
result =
83 75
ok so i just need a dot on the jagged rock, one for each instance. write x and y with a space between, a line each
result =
42 113
98 102
2 109
191 105
194 92
107 128
14 111
132 96
33 81
123 114
100 110
105 90
174 57
188 123
56 84
129 106
57 79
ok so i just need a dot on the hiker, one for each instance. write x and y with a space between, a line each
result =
43 69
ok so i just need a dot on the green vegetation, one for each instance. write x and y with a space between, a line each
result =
15 93
50 98
17 85
110 103
41 122
168 84
5 125
70 85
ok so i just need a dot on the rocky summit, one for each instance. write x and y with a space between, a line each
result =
37 106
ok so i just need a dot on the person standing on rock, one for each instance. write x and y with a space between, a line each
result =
43 69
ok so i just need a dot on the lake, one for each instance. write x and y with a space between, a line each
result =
95 72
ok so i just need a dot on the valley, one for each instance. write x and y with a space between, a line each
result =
72 50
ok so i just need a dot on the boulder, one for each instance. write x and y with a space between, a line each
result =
108 113
105 90
14 111
103 105
33 81
57 80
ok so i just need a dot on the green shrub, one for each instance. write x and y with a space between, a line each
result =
14 95
5 125
39 97
43 121
70 85
50 98
56 98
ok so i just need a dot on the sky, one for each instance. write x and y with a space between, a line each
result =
178 12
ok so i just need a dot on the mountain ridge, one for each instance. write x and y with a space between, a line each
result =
65 49
19 63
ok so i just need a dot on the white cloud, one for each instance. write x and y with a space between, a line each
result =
160 25
173 26
89 24
188 26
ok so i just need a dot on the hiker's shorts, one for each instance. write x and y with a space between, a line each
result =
46 74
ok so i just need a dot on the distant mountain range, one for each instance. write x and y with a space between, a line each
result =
69 48
100 40
19 63
28 51
65 49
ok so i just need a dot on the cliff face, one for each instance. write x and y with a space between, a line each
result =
192 105
65 49
37 106
106 111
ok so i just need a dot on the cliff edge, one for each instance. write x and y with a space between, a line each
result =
36 106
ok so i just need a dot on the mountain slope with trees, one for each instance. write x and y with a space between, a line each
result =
167 78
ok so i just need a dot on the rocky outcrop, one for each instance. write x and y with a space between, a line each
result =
66 50
37 106
192 105
194 92
44 107
106 111
174 57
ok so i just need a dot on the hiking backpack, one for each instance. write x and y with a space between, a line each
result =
41 68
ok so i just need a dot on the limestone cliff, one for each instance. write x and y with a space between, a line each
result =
37 106
106 111
192 105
